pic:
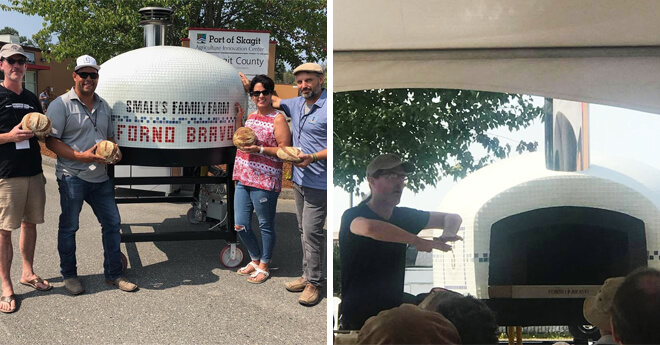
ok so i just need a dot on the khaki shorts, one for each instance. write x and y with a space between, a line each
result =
22 199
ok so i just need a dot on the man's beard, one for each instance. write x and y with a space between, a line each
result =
309 94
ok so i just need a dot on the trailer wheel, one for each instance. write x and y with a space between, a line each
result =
190 215
227 261
584 332
124 262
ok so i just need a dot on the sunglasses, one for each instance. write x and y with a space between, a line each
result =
11 61
392 176
84 75
257 93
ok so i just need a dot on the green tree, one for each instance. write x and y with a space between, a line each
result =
433 128
106 28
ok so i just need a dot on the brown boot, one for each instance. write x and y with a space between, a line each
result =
297 285
310 295
123 284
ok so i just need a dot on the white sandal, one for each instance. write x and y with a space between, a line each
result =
242 270
256 273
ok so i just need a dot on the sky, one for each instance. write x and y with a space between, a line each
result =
26 25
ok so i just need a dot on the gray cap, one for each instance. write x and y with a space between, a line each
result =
388 161
10 49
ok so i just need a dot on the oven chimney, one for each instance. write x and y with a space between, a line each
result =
566 135
154 20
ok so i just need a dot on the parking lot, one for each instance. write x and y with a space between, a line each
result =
185 296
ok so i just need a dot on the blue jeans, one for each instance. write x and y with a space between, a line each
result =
247 199
101 197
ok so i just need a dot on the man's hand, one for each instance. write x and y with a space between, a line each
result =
89 156
448 238
424 245
17 134
245 81
306 160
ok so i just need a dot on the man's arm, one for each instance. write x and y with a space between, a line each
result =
65 151
386 232
449 222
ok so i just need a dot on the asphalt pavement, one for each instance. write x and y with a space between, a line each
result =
186 295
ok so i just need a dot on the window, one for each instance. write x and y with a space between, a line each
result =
30 82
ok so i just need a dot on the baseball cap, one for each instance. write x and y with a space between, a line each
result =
597 309
388 161
309 67
10 49
86 61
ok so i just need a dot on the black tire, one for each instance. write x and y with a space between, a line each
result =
584 332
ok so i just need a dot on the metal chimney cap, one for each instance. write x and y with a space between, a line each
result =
155 15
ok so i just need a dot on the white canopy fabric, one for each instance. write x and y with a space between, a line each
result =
596 51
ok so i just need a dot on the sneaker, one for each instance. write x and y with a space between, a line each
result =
297 285
73 286
123 284
310 295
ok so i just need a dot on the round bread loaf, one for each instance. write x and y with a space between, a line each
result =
289 154
107 150
244 136
38 123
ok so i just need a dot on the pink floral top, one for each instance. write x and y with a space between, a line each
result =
256 170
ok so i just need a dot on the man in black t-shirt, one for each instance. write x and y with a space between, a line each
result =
373 238
22 189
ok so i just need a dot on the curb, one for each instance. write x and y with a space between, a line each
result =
286 193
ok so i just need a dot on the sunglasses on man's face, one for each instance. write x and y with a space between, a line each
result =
257 93
84 75
11 61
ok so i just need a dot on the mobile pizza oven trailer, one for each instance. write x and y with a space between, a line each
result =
175 107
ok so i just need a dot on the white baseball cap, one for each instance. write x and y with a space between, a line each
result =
86 61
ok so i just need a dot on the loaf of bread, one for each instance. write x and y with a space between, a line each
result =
289 154
244 136
38 123
107 150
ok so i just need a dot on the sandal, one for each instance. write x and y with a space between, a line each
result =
33 284
242 272
8 300
254 275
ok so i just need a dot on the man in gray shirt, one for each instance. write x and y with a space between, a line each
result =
81 119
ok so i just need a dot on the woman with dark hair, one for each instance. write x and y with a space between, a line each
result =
259 174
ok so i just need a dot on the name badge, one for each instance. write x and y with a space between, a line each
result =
23 145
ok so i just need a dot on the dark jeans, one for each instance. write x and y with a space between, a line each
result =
101 197
312 210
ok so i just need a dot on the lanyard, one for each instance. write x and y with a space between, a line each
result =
303 119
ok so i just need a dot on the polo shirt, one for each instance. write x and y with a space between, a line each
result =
81 129
310 134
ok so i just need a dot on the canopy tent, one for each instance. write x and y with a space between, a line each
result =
596 51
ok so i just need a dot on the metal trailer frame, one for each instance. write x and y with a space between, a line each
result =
231 255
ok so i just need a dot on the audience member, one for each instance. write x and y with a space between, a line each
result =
597 309
475 322
636 308
408 324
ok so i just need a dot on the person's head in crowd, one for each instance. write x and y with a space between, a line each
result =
636 308
309 79
597 309
408 324
475 322
387 175
86 75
